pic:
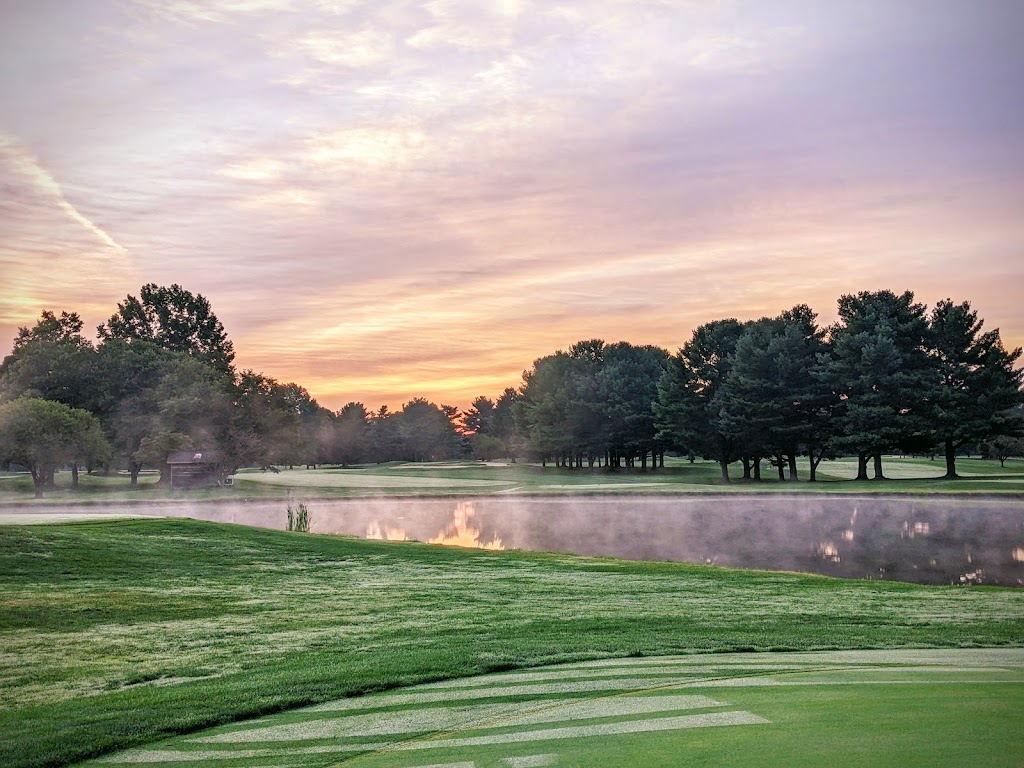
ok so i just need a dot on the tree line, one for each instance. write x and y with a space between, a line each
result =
887 376
160 377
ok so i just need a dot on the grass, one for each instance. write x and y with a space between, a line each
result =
879 708
904 475
122 633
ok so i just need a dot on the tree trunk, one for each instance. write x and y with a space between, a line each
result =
781 464
950 460
862 466
814 463
746 468
878 467
134 469
724 464
757 469
38 481
74 474
793 472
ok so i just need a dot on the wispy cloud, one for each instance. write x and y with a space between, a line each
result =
397 198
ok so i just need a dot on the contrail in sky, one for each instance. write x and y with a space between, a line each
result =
24 161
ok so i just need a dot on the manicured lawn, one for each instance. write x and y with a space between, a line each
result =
933 709
903 475
117 634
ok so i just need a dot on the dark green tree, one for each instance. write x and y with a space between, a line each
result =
316 427
479 417
53 361
503 424
772 402
688 412
545 408
628 389
881 370
979 386
751 411
87 443
266 416
352 444
426 432
175 319
43 435
197 400
1003 447
591 403
384 433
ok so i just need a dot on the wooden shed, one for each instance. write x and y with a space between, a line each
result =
193 469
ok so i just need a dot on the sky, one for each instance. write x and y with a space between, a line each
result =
393 199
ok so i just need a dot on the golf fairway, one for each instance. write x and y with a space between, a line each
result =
847 708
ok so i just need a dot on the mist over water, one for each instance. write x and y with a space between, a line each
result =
922 541
947 541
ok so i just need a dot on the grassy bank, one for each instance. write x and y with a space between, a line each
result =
903 475
119 633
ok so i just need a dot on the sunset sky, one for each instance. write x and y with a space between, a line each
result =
385 200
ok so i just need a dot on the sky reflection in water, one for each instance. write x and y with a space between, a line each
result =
932 542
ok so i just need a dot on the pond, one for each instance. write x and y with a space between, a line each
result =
923 541
908 539
914 539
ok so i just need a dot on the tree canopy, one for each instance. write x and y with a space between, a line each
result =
174 319
594 403
978 385
43 435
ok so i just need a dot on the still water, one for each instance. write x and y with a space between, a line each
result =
947 541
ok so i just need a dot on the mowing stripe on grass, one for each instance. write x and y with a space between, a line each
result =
375 724
448 718
459 694
758 682
709 720
530 761
564 673
480 725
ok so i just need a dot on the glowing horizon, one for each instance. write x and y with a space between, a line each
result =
404 199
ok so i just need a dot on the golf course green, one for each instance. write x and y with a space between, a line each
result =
860 708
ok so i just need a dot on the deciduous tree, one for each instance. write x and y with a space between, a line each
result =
44 435
174 319
53 361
